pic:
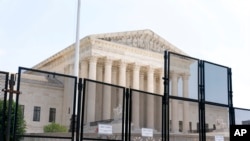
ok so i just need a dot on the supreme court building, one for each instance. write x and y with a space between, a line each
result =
132 59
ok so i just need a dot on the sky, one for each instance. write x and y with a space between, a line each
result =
214 30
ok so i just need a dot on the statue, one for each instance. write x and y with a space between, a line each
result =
117 112
220 124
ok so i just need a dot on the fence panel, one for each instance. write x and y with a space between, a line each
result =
103 113
217 122
184 120
3 104
145 116
242 116
216 83
183 74
47 103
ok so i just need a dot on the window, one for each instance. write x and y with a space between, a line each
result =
22 110
190 126
180 126
52 114
198 127
36 113
207 127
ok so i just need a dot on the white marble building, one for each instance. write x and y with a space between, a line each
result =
131 59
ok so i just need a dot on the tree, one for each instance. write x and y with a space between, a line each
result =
21 125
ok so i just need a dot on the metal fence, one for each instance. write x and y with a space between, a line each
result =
200 96
48 102
103 111
196 104
3 105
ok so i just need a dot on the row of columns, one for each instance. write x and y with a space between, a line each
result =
137 79
174 77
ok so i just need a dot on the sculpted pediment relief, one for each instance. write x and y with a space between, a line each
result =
144 39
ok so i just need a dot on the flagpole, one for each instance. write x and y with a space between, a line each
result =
76 63
76 71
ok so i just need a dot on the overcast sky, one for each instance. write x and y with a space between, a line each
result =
212 30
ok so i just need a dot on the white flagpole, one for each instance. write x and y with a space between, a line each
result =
76 63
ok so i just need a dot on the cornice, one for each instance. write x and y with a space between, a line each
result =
63 55
122 49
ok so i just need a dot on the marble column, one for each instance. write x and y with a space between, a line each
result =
91 98
136 98
186 113
128 78
99 74
92 67
122 79
107 90
141 87
99 92
84 69
142 102
114 92
150 98
175 119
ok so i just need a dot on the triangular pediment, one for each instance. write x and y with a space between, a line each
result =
144 39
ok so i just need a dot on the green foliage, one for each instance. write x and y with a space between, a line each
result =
54 127
21 125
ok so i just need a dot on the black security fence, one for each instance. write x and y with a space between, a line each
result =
111 112
144 113
145 116
196 105
218 97
200 99
4 131
242 116
103 111
47 103
184 98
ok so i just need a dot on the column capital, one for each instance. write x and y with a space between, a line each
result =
150 69
108 61
122 63
136 67
185 76
93 59
83 61
142 74
174 75
160 71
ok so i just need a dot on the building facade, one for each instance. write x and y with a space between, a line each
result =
132 59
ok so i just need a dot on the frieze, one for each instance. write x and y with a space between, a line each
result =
146 39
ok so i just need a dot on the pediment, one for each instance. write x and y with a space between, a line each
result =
144 39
